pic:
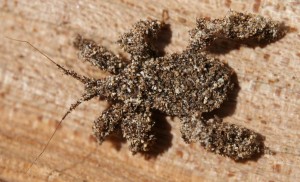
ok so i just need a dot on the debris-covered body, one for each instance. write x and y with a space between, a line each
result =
177 85
184 84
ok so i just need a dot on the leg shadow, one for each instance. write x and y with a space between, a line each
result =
116 139
163 39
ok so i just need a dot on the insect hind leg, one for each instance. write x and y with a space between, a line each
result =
223 138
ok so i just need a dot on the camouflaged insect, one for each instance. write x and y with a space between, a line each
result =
184 84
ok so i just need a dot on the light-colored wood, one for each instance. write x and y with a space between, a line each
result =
34 94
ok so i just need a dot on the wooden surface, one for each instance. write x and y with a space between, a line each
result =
34 94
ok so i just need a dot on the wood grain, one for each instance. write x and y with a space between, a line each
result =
34 94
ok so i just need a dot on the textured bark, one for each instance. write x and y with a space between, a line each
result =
34 94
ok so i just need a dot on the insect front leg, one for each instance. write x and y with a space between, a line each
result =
135 123
99 56
137 128
139 40
108 122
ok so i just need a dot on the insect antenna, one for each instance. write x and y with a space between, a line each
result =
72 73
84 97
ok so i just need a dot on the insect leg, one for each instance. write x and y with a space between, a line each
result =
139 40
137 128
235 26
108 122
226 139
98 55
